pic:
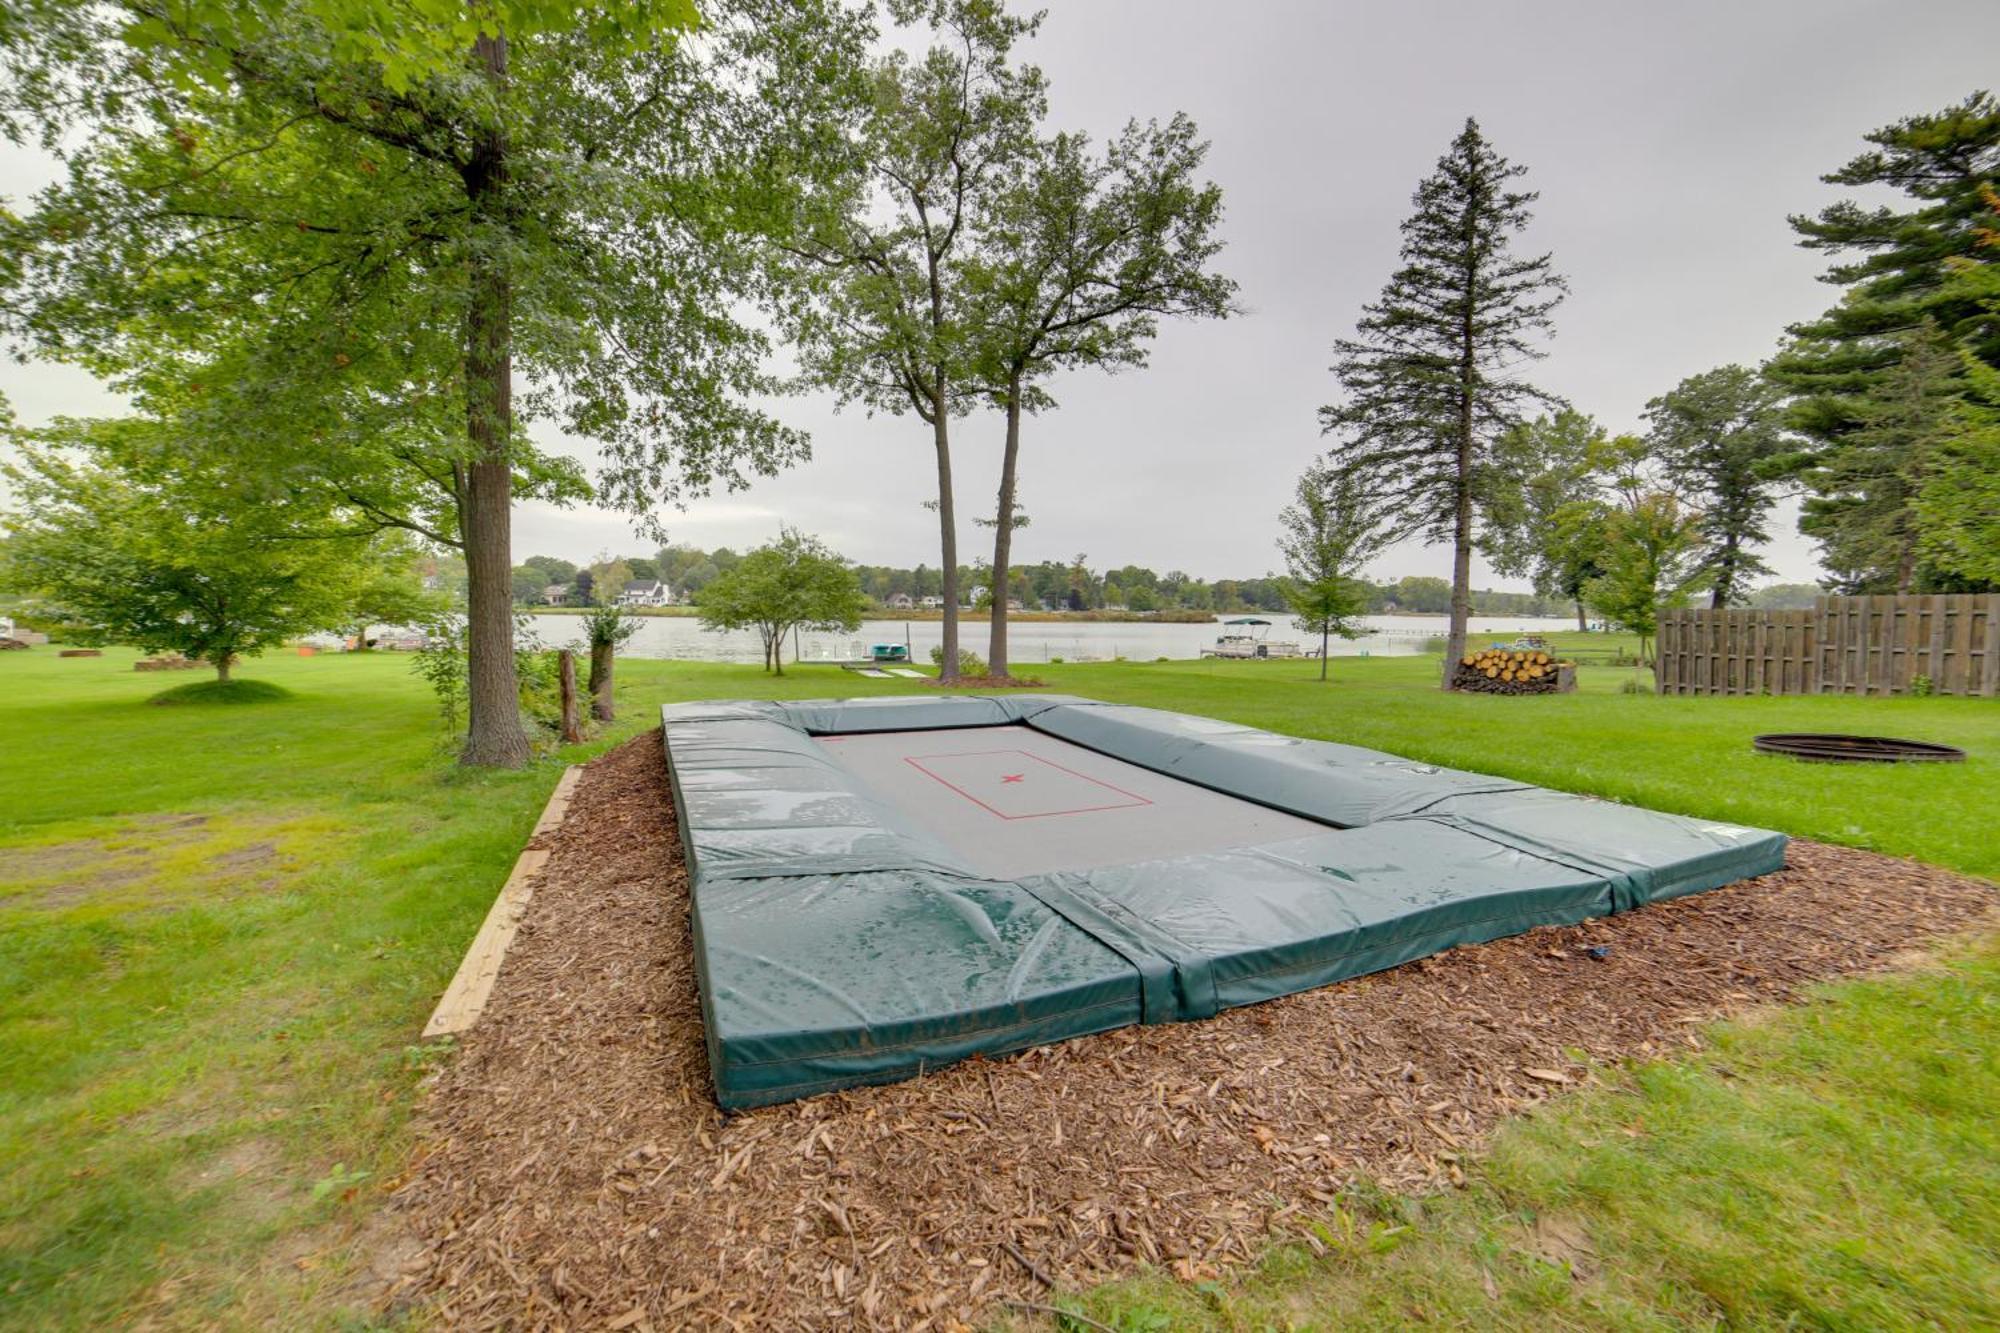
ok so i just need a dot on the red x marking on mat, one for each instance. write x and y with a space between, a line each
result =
1011 777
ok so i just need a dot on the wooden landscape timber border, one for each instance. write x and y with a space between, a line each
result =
459 1007
1844 645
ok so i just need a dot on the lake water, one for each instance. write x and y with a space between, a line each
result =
683 638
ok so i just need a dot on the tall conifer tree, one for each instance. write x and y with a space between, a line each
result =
1427 381
1896 264
1864 506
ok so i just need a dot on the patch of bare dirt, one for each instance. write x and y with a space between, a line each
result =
576 1171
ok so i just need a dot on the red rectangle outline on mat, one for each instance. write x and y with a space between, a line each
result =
916 762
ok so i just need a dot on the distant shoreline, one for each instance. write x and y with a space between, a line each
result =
1052 617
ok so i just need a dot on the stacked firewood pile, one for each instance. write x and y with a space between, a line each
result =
1513 671
170 662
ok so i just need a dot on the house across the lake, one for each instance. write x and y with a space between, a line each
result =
900 601
645 592
556 594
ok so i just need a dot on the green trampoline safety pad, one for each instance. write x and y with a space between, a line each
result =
882 886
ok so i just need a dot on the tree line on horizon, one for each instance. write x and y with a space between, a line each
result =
1048 585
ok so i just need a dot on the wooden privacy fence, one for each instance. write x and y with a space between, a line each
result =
1844 645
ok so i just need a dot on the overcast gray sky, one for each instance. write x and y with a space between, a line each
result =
1669 143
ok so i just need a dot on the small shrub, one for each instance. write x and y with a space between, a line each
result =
1635 685
440 663
1055 661
1922 687
969 662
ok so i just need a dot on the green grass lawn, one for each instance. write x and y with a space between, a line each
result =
221 929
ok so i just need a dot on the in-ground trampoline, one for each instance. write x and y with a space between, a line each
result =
883 886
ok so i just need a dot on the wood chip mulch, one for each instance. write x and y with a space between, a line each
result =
576 1172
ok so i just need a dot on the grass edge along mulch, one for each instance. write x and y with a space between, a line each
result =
576 1171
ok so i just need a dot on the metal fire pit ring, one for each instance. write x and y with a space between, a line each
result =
1832 748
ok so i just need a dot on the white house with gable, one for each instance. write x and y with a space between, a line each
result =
645 592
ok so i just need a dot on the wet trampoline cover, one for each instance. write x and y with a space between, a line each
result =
886 885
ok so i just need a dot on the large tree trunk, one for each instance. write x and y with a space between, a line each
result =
1003 532
1461 554
223 661
1324 639
493 730
601 658
1461 532
1582 622
947 530
1725 582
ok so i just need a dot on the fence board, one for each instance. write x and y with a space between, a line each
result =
1844 645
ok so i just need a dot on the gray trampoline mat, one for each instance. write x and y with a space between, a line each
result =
1015 802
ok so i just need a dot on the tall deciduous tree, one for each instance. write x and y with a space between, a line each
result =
889 325
1541 470
340 259
1329 531
128 544
1651 554
1719 437
1430 380
1077 262
795 581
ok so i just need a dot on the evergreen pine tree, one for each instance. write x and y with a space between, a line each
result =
1864 509
1900 267
1427 381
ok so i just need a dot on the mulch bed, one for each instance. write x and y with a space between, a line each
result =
577 1172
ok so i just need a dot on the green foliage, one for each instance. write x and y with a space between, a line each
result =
552 569
530 583
1429 381
1868 486
1903 490
1785 596
1540 471
443 663
1896 264
440 664
1719 438
1650 560
127 543
1329 531
970 664
1958 504
607 625
332 261
795 581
